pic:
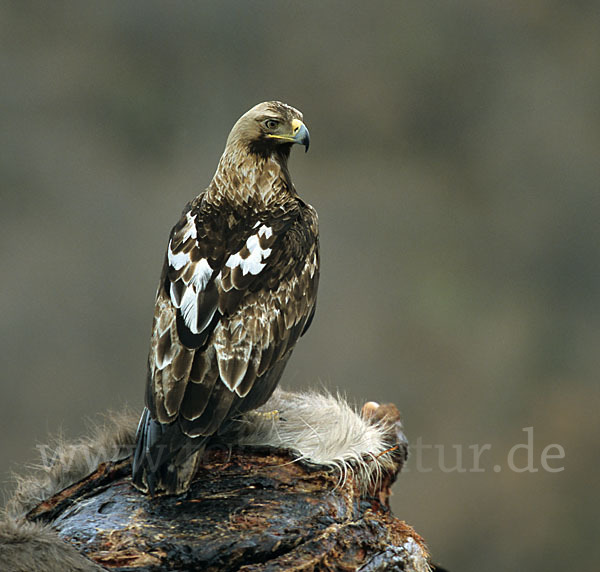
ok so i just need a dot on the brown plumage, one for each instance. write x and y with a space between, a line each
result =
238 288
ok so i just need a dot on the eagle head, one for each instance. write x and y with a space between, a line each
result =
269 127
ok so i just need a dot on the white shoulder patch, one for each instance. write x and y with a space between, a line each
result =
179 260
202 274
189 297
266 231
190 227
255 261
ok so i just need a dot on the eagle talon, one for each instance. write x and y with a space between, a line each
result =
268 415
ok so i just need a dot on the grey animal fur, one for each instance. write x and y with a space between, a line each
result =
33 547
317 428
323 429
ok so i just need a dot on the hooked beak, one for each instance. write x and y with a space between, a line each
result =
301 134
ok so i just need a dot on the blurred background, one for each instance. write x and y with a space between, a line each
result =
455 168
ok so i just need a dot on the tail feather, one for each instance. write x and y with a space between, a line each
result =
165 459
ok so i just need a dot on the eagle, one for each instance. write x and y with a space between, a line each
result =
238 288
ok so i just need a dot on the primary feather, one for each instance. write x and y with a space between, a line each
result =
238 288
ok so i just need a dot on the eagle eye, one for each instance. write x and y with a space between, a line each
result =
271 124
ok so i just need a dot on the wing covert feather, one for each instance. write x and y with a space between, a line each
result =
225 317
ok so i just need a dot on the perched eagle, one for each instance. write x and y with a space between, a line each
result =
238 288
